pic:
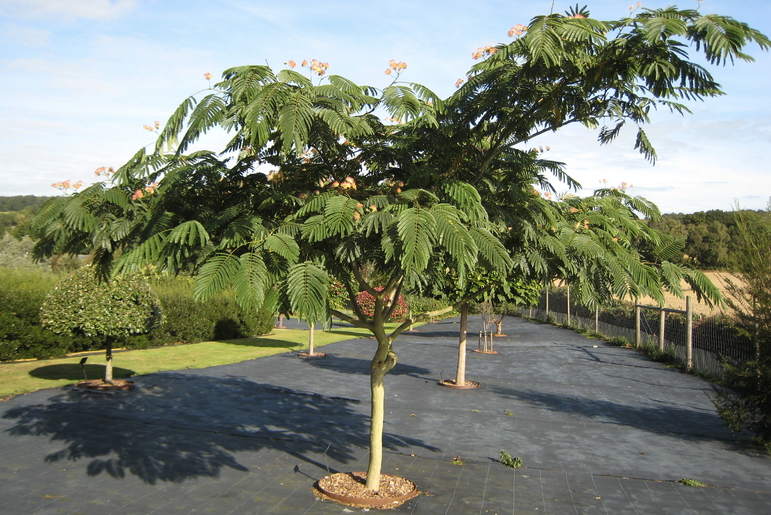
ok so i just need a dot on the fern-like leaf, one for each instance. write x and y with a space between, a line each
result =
307 287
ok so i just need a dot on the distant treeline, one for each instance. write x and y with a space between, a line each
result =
16 213
710 237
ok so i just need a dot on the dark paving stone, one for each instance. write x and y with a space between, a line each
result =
599 429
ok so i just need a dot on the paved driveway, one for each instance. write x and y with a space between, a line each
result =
599 429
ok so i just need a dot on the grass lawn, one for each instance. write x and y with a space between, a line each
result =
28 376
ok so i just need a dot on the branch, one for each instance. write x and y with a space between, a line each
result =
362 282
351 320
393 298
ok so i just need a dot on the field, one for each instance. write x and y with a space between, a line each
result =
717 277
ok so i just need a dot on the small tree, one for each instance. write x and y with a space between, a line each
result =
85 305
747 405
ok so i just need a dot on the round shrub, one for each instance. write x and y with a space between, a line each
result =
83 305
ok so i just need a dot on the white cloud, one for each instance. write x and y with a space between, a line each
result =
24 36
68 9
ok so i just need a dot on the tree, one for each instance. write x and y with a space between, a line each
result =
83 305
747 404
708 244
439 188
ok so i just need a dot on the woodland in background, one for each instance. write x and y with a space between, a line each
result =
16 213
710 236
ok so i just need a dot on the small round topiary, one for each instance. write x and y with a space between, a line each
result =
84 305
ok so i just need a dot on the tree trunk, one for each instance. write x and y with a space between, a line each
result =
311 348
384 360
499 325
108 367
460 374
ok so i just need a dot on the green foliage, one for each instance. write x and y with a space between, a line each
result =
21 203
746 403
185 320
618 341
21 333
17 253
666 356
692 482
338 295
507 460
84 305
189 321
16 213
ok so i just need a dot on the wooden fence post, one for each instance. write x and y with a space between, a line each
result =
597 319
637 332
568 290
688 334
662 327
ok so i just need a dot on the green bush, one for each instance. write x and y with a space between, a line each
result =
186 321
21 333
82 304
425 304
220 318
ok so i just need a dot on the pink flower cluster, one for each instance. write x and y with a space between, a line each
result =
345 184
394 66
147 190
316 66
65 185
103 170
483 52
517 30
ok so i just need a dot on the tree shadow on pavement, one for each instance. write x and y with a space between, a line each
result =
649 415
179 428
346 365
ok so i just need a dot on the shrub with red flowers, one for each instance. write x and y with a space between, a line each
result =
366 303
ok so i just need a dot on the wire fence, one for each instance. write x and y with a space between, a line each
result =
713 338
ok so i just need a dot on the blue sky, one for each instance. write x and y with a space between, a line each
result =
82 77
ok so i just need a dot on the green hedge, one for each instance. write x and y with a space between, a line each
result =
186 321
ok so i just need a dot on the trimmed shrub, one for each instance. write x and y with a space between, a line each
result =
186 321
83 305
21 333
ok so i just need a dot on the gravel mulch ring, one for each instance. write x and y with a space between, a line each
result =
349 488
98 384
450 383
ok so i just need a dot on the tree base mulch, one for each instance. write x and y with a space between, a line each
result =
315 355
99 384
486 351
350 488
450 383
